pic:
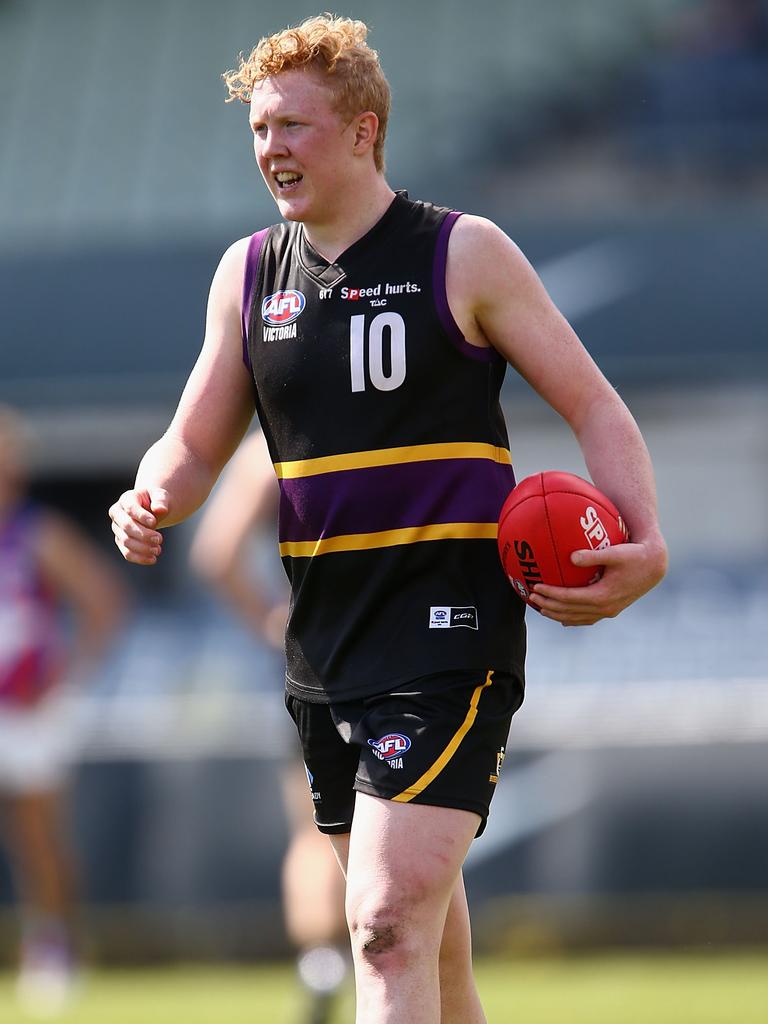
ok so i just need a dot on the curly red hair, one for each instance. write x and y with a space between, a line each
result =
336 48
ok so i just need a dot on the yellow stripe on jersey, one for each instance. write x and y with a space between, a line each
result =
392 457
431 773
388 538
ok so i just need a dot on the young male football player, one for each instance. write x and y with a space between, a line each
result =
371 332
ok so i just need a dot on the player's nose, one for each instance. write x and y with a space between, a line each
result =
273 144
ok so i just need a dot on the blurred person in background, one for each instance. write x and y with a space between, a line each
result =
243 504
387 435
60 606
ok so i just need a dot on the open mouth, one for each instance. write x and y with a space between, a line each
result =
287 180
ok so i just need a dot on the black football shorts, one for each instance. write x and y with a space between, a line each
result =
437 740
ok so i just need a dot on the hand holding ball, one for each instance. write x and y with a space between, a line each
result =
544 520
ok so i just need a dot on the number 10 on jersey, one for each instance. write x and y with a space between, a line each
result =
376 373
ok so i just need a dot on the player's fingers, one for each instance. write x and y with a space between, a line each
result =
136 543
124 524
131 503
132 517
579 615
617 554
137 559
134 559
137 539
576 616
135 552
572 614
590 601
570 619
569 595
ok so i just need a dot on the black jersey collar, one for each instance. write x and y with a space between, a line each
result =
330 273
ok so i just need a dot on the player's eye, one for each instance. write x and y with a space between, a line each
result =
259 129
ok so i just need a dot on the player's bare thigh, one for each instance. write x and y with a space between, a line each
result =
402 854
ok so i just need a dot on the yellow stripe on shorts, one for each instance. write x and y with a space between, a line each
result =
434 770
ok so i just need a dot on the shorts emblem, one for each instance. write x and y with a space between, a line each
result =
390 748
500 755
311 781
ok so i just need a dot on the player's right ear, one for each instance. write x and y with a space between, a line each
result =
366 132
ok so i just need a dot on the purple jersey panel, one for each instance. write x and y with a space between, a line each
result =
250 278
392 497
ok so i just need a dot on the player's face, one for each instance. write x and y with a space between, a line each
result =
301 143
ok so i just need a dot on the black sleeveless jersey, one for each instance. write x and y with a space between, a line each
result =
391 452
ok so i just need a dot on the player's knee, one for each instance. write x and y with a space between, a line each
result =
375 939
382 944
388 933
379 931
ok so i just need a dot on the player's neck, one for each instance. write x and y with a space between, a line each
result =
357 215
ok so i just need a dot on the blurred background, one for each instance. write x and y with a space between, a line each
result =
624 146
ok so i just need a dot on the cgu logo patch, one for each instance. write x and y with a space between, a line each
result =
445 617
391 748
281 308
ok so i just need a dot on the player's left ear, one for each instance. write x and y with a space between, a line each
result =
366 132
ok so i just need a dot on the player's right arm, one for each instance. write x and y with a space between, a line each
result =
177 473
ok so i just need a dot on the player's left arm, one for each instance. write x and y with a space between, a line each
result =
497 299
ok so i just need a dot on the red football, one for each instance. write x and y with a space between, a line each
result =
546 518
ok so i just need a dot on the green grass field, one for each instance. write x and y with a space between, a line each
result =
647 989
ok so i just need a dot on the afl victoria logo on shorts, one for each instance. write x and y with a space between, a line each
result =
390 748
281 308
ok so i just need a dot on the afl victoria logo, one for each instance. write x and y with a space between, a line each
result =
391 745
282 308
